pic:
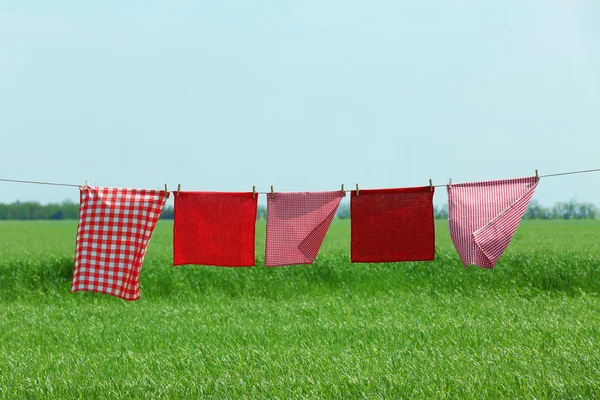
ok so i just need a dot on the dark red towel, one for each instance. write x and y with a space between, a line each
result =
213 228
392 225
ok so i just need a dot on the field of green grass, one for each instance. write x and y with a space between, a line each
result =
529 328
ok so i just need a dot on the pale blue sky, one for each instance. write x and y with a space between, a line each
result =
304 95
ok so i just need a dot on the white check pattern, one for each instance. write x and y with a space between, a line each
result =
483 217
115 226
297 223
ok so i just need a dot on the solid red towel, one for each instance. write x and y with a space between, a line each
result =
483 217
214 228
115 226
297 224
392 225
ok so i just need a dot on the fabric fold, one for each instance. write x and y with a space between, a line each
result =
297 224
114 229
484 216
214 228
389 225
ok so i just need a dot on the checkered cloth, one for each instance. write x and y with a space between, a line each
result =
483 217
389 225
214 228
297 224
115 226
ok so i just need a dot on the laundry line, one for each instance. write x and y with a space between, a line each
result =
258 192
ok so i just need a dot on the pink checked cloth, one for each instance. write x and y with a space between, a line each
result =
483 217
297 224
115 226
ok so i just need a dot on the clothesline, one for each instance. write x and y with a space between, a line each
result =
39 183
347 191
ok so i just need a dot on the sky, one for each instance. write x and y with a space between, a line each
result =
221 95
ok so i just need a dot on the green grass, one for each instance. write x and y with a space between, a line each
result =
528 328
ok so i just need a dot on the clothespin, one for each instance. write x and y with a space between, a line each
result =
343 193
166 191
272 193
86 185
178 188
253 192
450 185
537 177
357 191
430 186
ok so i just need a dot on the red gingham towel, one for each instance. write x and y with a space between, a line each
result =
115 226
392 225
214 228
297 224
483 217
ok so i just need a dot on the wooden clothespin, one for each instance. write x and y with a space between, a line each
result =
253 192
357 191
178 188
537 177
343 193
430 186
166 191
450 184
272 193
86 185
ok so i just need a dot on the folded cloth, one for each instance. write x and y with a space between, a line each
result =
483 217
115 226
392 225
297 224
214 228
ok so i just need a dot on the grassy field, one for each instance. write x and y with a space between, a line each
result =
530 328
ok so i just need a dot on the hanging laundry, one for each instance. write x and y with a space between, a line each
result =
214 228
392 225
297 224
115 226
483 217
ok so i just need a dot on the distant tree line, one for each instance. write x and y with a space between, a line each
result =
69 210
33 210
562 210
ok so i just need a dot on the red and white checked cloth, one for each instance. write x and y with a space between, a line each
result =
115 226
483 217
297 224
